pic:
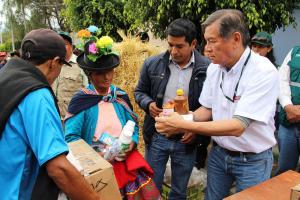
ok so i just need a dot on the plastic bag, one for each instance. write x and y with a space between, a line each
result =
197 176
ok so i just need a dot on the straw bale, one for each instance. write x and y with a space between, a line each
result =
133 53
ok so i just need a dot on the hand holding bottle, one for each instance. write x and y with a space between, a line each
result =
124 154
154 110
125 140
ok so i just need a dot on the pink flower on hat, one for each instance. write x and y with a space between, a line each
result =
93 48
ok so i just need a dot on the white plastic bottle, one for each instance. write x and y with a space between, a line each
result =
120 145
125 139
126 135
130 125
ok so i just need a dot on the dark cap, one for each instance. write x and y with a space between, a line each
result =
66 36
262 38
44 43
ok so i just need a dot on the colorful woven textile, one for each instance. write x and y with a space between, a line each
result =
134 178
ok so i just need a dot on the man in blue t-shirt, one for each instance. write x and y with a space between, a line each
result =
31 134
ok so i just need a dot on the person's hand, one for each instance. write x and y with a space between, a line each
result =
169 124
188 137
131 147
154 110
292 113
124 154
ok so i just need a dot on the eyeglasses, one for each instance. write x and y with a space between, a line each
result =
237 84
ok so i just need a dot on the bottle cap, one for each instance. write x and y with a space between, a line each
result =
179 92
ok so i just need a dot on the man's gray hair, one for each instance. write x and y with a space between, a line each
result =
230 21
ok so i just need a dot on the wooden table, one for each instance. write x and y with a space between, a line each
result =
276 188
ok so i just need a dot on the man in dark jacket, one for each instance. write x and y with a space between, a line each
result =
180 67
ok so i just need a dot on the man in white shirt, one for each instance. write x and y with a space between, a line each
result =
239 96
289 117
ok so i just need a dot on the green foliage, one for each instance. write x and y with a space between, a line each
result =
7 46
25 15
267 15
106 14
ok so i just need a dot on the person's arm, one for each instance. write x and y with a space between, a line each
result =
73 127
202 114
292 111
175 123
143 89
284 75
199 115
69 180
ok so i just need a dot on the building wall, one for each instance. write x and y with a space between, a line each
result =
283 41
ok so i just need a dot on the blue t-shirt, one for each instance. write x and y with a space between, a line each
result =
32 136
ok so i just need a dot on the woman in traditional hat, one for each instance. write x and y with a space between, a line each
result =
100 111
261 43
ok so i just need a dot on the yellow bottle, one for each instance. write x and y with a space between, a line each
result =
181 103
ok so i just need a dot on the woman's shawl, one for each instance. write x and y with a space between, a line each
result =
87 97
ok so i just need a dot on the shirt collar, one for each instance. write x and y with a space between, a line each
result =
189 64
73 58
239 64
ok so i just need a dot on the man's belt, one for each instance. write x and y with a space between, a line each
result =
176 137
234 153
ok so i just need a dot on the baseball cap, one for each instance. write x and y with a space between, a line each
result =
66 36
262 38
44 43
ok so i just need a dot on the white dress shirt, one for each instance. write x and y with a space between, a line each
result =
257 94
285 90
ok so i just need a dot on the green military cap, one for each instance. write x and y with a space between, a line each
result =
66 36
262 38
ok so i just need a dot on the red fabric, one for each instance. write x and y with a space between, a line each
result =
126 171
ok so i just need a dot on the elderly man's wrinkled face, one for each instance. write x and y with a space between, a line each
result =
103 79
220 50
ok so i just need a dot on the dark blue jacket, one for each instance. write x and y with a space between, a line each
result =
153 82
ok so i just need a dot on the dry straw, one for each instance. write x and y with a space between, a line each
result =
133 53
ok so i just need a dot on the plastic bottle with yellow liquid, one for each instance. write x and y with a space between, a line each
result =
181 103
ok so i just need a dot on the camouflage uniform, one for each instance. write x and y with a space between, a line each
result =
70 80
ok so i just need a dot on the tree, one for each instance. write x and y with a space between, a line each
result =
267 15
106 14
25 15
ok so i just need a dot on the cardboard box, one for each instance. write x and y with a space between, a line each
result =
97 171
295 193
